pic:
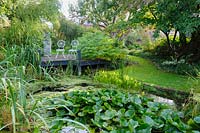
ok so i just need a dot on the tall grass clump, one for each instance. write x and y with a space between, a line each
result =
16 70
17 115
13 97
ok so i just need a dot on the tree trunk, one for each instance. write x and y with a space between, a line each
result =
194 46
168 40
182 39
174 38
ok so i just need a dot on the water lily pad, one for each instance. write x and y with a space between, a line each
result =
197 119
133 124
130 113
109 114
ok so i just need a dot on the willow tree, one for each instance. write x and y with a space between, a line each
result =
25 18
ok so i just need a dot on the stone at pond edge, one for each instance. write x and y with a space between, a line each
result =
70 129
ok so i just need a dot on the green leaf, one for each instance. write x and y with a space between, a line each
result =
60 113
88 109
109 114
97 108
130 113
133 124
197 119
121 112
123 122
96 123
115 131
105 124
153 106
195 131
166 114
137 100
144 128
107 105
81 114
148 120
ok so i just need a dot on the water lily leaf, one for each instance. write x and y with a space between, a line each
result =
166 114
153 106
137 100
109 114
121 112
130 113
133 124
95 98
148 120
144 128
97 123
123 122
197 119
97 116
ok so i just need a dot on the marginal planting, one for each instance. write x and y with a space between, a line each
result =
117 78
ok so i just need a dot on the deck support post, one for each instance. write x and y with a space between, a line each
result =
79 62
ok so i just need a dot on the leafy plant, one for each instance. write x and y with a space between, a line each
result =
99 46
180 67
118 79
113 111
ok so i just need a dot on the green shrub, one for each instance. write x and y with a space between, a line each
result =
97 45
180 67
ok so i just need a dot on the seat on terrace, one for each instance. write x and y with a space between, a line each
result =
61 48
74 45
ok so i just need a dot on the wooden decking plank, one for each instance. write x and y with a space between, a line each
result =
59 58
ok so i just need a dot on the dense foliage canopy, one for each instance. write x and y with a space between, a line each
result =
168 16
173 15
110 15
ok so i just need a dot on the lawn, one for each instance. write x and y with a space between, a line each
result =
144 70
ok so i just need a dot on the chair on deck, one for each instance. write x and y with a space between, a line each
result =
61 45
74 45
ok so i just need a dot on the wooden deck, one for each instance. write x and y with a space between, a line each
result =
59 58
52 61
59 61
